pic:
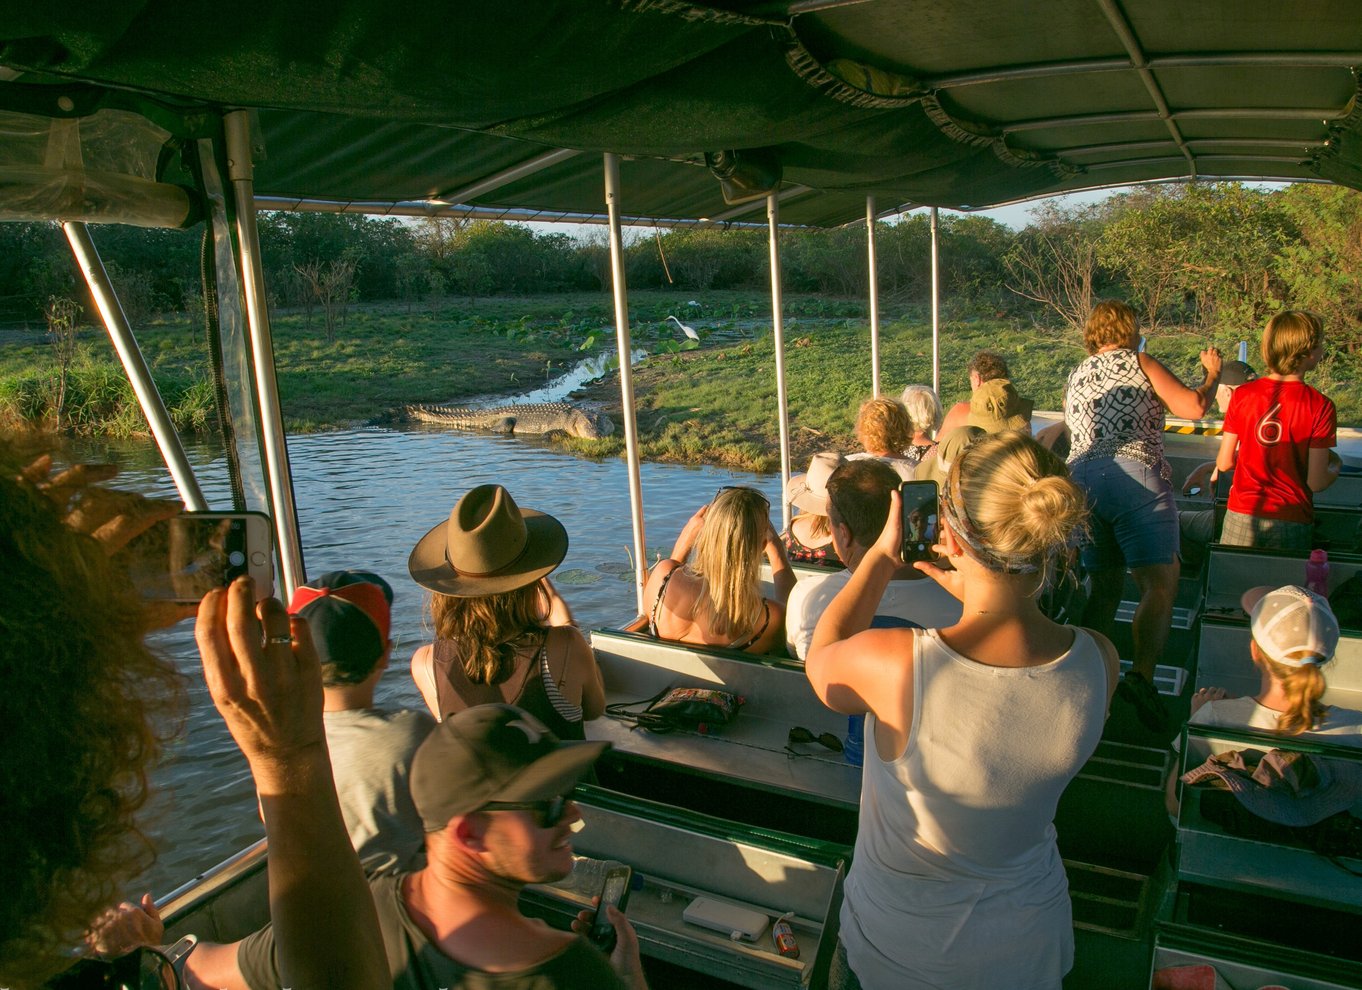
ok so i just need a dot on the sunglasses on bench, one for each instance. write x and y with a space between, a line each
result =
801 736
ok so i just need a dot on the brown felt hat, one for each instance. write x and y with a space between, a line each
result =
493 753
489 546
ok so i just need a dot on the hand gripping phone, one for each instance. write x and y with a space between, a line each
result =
182 558
614 890
921 520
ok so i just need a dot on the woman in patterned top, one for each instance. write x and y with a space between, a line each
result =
1114 406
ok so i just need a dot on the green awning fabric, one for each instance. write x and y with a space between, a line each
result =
964 104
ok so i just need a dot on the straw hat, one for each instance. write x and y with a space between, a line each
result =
489 546
809 491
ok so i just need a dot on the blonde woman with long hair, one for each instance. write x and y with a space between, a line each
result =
709 590
972 732
502 633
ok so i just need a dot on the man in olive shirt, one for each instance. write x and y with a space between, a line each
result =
490 784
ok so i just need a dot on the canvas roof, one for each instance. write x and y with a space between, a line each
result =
955 103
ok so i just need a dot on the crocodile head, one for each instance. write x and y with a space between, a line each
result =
590 425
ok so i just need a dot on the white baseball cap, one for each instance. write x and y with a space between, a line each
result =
1292 625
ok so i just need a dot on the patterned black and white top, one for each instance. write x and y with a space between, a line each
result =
1112 411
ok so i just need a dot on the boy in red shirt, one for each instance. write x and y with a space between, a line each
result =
1278 439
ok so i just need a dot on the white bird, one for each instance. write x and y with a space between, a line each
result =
688 331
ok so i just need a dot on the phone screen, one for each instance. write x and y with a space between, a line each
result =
183 558
920 519
614 891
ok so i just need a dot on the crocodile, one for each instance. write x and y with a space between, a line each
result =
541 417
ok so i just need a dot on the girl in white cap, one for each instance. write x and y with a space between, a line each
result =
1294 637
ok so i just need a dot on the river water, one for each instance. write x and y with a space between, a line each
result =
364 498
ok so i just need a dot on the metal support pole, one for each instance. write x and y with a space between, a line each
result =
125 343
625 346
936 310
778 338
241 172
874 273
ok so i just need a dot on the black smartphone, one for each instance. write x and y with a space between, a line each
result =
182 558
920 519
615 890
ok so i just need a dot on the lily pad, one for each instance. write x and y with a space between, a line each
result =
575 576
615 567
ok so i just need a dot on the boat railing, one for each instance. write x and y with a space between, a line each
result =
1231 571
222 904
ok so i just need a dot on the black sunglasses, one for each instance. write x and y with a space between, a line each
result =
800 735
547 813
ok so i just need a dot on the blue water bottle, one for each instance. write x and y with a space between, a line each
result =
854 751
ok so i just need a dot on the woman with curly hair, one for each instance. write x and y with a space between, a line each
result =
972 733
502 633
86 709
713 595
884 432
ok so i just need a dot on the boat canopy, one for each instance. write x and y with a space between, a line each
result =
504 109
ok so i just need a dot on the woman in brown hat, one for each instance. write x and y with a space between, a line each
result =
714 596
809 538
503 634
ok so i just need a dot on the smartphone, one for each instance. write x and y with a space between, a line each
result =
615 890
182 558
920 519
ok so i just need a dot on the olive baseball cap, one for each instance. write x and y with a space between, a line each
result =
493 753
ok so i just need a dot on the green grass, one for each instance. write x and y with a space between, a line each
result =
712 404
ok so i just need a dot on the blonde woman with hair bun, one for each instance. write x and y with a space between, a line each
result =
972 733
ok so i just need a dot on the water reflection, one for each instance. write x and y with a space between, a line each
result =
364 498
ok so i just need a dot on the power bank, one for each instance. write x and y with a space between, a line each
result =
729 919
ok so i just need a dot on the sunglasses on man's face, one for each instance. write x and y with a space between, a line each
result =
800 736
546 813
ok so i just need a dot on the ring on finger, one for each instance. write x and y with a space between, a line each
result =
278 640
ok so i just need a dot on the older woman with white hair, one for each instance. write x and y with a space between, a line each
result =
924 414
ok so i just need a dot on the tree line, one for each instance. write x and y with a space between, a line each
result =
1206 256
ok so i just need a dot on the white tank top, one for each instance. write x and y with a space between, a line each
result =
1112 411
956 880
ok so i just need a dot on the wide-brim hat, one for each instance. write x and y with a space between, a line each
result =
996 406
488 546
808 492
493 753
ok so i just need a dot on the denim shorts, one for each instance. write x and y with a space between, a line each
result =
1134 519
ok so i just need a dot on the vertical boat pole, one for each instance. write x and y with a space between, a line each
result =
936 310
135 366
778 338
874 275
624 345
241 172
